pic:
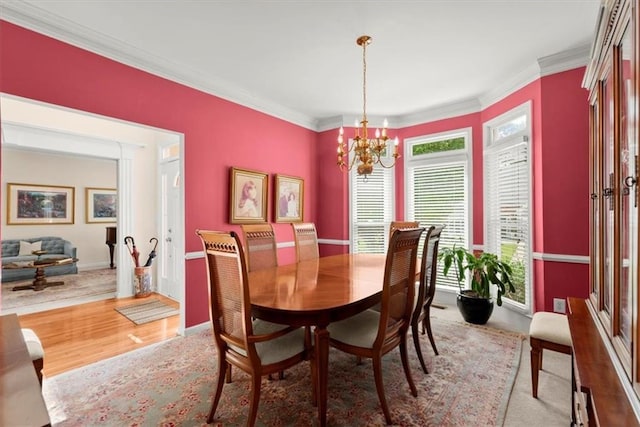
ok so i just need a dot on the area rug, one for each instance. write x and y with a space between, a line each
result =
147 311
172 384
81 285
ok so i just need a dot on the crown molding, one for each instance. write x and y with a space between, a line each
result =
330 123
564 61
41 21
445 111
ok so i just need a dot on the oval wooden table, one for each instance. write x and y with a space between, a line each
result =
316 293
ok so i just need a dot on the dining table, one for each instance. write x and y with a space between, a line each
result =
315 293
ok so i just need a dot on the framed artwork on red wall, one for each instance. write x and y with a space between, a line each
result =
289 198
248 196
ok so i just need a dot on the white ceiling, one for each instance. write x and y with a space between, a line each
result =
299 60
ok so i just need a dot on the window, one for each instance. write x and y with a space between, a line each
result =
507 197
438 188
372 207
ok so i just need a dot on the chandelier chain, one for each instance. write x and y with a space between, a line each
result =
364 83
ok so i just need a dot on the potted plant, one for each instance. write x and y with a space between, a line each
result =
485 269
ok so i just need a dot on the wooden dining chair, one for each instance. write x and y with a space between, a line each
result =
255 346
426 291
399 225
372 333
260 242
306 239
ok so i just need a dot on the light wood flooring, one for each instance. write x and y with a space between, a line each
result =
82 334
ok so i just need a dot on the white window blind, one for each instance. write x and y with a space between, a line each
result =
507 213
371 210
438 195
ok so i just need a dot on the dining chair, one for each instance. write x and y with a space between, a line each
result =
306 239
399 225
426 291
371 333
255 346
261 251
260 242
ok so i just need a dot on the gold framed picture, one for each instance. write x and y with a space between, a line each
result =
30 204
101 205
248 196
289 198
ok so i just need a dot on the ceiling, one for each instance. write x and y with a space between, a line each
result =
298 60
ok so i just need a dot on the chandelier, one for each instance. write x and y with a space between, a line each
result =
367 151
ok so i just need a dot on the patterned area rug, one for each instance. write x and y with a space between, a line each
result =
172 384
81 285
147 311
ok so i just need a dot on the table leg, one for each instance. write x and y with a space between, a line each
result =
39 282
322 368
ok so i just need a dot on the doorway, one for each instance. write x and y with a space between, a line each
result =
32 125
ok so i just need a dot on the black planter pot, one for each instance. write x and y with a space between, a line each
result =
475 310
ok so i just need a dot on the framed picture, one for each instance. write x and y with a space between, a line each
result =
289 199
102 204
40 204
248 196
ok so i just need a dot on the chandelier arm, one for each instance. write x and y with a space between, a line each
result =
385 166
351 148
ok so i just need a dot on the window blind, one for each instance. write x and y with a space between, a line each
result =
507 213
371 210
438 195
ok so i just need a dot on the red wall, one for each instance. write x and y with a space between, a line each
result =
220 134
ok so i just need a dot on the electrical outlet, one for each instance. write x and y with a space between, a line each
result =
559 305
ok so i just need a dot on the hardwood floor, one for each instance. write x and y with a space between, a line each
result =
82 334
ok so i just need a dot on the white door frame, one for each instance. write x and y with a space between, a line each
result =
30 124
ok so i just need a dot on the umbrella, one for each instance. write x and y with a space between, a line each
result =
152 254
132 250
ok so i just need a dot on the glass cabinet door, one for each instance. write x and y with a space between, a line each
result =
607 198
626 184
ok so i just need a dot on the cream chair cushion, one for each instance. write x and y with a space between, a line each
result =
36 351
552 327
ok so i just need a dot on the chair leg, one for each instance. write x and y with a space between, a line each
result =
377 374
222 370
536 358
405 365
416 343
255 399
314 385
38 365
228 378
426 322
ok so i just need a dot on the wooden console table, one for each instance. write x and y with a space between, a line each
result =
20 394
599 398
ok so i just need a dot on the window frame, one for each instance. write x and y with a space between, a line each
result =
489 146
461 156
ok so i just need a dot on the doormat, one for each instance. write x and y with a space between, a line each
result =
147 311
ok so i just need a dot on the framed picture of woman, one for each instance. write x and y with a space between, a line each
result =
248 196
289 199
